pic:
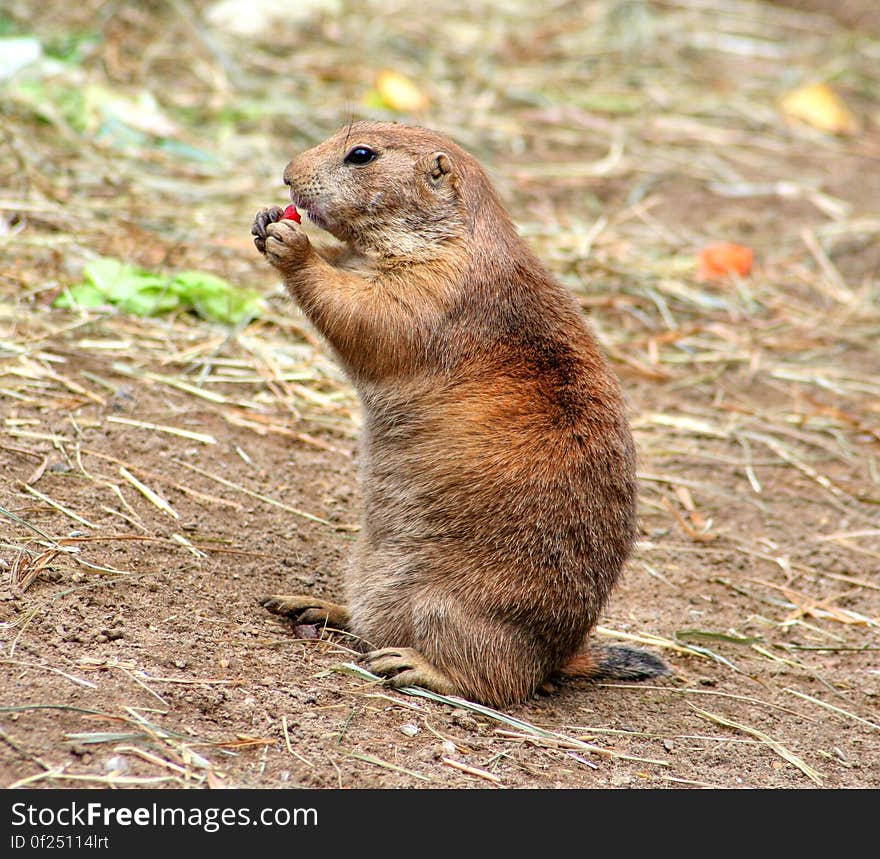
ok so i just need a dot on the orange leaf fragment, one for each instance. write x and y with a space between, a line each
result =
400 93
724 259
818 105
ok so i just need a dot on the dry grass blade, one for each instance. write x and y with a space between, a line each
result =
706 784
153 759
105 780
785 453
171 382
289 746
666 643
149 494
18 520
458 765
40 667
54 504
711 692
152 475
834 709
25 570
806 605
258 495
532 731
195 436
777 747
370 759
180 539
626 137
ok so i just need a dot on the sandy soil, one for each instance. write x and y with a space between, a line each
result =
145 660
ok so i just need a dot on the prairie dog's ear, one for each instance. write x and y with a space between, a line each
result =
437 168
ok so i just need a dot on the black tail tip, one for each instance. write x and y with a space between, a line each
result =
627 663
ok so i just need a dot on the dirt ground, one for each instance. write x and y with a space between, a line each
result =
157 476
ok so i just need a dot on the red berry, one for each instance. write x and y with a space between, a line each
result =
291 214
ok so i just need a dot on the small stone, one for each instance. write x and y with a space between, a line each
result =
410 729
306 631
117 764
180 663
464 719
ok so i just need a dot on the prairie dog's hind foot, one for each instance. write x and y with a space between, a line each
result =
404 666
305 609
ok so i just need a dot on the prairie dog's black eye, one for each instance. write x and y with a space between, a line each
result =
361 155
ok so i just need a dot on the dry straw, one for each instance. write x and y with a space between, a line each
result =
754 399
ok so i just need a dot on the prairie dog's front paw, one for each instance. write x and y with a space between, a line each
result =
262 220
287 246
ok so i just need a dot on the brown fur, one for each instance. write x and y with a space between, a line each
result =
498 468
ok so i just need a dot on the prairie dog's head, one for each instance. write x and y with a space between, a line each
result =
391 190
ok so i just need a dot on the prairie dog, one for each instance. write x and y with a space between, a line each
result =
497 465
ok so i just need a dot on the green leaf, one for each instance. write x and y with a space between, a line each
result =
81 295
72 47
144 293
216 299
150 300
119 280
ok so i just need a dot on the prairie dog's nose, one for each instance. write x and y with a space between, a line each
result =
288 173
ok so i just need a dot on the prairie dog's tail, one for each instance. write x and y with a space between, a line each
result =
613 662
